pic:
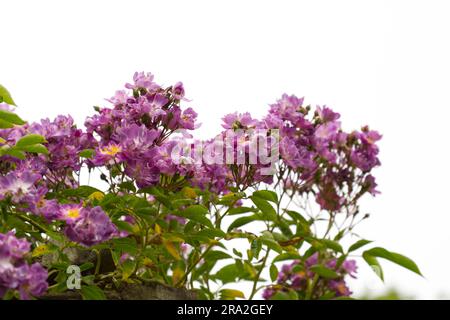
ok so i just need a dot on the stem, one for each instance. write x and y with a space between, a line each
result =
32 222
330 225
255 282
311 285
192 266
99 261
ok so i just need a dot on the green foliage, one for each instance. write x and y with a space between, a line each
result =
396 258
5 96
183 236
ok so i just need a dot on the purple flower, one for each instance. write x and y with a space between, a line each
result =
65 142
71 212
340 288
312 260
144 173
155 104
365 154
49 209
238 121
371 185
12 248
296 156
6 107
93 227
268 293
350 267
178 91
33 280
15 273
108 154
327 131
143 80
171 119
287 108
18 184
135 139
326 114
188 118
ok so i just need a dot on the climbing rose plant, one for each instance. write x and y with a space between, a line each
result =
207 226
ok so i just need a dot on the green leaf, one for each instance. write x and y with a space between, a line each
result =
127 185
324 272
217 255
231 198
297 217
211 233
196 213
256 247
172 249
374 264
240 210
81 191
10 117
239 222
396 258
30 139
303 226
128 245
5 124
273 272
269 241
87 153
86 266
15 153
122 225
231 294
287 256
159 195
5 96
15 222
238 253
35 148
227 274
358 244
266 195
92 293
284 227
333 245
265 207
280 295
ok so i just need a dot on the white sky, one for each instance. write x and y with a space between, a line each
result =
383 63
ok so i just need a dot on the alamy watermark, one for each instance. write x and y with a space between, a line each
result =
252 146
74 278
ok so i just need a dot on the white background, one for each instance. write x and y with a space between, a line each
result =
381 63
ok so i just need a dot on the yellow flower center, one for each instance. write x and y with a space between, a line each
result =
73 213
111 150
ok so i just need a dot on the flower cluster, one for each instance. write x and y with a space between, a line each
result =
64 143
135 131
165 201
316 155
297 276
15 272
320 157
87 226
